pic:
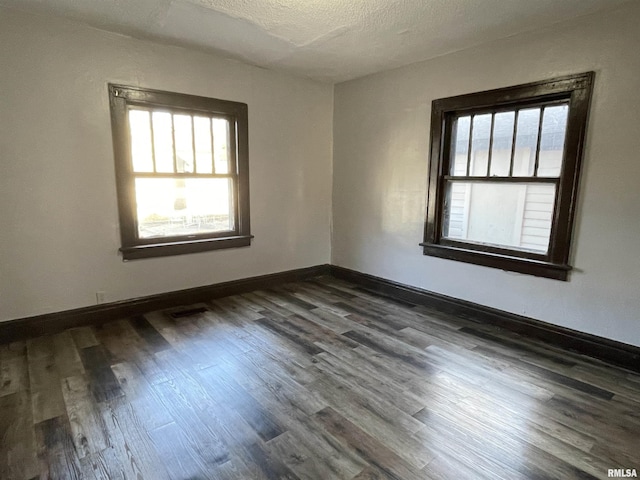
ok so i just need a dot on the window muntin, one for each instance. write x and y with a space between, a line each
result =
505 143
191 148
504 174
182 172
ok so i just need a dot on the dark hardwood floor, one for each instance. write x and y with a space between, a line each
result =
312 380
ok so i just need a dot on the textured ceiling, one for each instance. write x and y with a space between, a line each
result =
330 40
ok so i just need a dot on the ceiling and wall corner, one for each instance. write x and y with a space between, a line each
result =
328 40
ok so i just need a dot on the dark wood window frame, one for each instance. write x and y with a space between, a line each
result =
133 247
575 90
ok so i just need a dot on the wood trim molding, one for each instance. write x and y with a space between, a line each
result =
610 351
573 91
49 323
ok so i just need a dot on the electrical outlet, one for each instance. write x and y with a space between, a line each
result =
100 297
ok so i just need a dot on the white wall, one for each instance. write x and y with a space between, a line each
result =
59 234
381 136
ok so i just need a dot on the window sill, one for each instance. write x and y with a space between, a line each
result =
181 248
503 262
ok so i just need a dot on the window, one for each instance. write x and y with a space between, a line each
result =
504 175
182 172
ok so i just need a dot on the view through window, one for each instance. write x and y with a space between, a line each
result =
168 143
527 144
182 172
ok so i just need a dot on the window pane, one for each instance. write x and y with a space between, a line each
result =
176 206
184 143
510 215
554 125
163 141
460 147
221 144
502 142
204 161
526 142
480 145
140 130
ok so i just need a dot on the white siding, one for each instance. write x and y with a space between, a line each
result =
536 224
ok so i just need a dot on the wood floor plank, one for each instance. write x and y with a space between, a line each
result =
141 395
443 464
292 298
315 332
205 444
315 289
167 328
66 356
492 373
131 442
263 465
323 284
14 375
232 307
329 319
18 448
607 380
104 465
369 416
454 451
377 313
436 335
319 379
487 419
365 445
44 381
524 454
393 348
104 384
290 334
301 374
223 388
122 343
520 421
322 300
288 305
270 379
87 428
360 372
267 342
178 454
56 452
309 458
217 412
519 349
383 406
544 376
16 349
382 325
83 337
259 303
592 420
150 335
